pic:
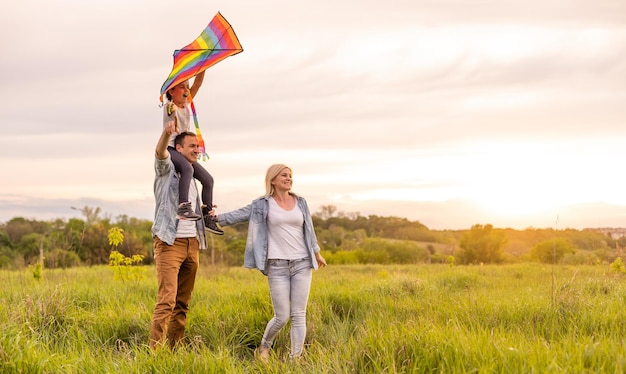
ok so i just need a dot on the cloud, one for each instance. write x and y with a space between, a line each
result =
456 106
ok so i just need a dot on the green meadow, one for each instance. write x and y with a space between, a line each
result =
520 318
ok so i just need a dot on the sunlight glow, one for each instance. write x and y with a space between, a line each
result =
505 178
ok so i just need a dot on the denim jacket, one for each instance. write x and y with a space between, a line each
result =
166 196
255 256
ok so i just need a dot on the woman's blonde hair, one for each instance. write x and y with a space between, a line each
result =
272 172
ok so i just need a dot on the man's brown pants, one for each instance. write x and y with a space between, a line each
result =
176 273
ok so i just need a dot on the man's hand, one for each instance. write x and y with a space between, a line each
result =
161 149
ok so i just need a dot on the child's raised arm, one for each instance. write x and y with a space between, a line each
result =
197 82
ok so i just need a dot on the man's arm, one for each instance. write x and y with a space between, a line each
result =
161 148
197 82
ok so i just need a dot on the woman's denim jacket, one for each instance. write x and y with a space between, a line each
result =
255 256
166 196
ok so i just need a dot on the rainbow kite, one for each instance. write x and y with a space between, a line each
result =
215 43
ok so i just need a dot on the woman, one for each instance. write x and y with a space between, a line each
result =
282 244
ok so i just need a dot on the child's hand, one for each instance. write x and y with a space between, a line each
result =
171 108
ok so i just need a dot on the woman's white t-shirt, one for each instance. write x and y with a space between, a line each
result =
285 233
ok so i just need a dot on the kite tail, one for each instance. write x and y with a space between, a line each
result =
202 155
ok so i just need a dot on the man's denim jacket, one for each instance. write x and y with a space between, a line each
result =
166 196
255 256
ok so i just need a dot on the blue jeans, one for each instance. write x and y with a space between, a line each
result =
290 283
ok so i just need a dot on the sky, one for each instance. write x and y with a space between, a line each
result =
450 113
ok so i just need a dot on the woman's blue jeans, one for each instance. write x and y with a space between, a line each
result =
290 283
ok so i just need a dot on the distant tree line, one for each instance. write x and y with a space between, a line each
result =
345 238
60 243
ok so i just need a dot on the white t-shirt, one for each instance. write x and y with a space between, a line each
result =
285 233
183 117
186 228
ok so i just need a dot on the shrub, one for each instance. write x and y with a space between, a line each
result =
617 266
60 258
127 268
551 251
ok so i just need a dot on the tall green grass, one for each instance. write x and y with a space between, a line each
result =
361 319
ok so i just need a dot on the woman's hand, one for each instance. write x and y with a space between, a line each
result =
321 262
212 213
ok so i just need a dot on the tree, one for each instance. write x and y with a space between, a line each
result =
92 215
235 249
390 251
326 211
551 251
5 242
96 240
482 244
60 258
75 231
29 246
18 227
332 238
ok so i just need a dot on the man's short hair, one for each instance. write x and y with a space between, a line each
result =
180 138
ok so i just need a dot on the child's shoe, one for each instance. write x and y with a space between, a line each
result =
209 222
185 213
211 226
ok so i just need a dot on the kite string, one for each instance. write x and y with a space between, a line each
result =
202 155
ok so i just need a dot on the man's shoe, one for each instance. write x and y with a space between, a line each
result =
185 213
211 226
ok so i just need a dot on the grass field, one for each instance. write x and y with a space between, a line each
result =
525 318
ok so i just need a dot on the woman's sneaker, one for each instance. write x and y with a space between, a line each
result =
185 213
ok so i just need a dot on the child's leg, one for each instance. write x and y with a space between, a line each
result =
185 169
201 174
206 179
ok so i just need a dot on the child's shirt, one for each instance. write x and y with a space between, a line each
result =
182 115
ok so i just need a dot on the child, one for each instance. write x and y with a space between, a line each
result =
177 109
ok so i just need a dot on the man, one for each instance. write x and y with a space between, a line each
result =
176 242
